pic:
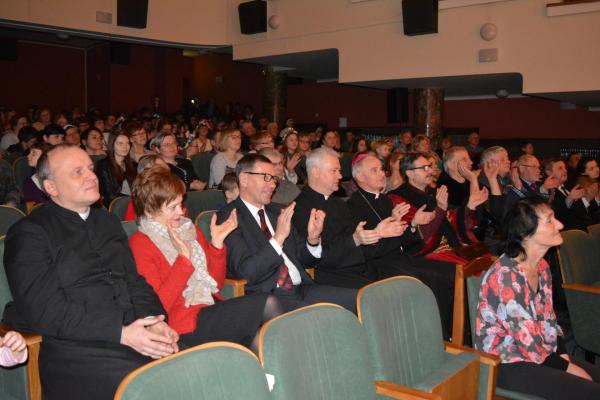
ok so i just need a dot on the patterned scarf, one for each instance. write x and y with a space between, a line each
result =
200 285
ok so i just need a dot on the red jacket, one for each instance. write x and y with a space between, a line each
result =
170 281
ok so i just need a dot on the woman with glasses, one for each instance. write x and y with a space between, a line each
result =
186 270
165 144
139 139
227 157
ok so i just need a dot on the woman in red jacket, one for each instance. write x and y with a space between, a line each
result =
185 270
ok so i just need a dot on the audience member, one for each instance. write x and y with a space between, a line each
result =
267 251
360 145
515 316
473 147
230 188
139 138
561 198
529 184
91 139
330 139
72 135
10 195
527 147
73 280
247 130
227 157
33 191
28 136
292 159
395 179
286 191
383 148
53 134
185 270
348 142
200 142
304 147
586 210
165 144
406 139
116 172
421 144
11 137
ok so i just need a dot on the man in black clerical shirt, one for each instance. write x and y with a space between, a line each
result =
364 240
267 251
74 281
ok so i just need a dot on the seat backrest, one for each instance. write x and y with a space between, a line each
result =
579 257
201 164
119 205
8 216
203 223
594 231
5 295
21 171
206 200
346 165
214 371
130 227
317 352
403 327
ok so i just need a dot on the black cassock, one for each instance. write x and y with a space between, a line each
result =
378 261
74 281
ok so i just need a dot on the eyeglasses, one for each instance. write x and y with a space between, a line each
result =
423 167
266 177
531 166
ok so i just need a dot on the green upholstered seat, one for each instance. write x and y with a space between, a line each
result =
8 216
317 352
130 227
206 200
21 171
404 333
579 257
203 223
119 205
14 383
214 371
594 231
201 164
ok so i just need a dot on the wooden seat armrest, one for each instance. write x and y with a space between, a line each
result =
30 338
239 286
395 391
486 358
582 288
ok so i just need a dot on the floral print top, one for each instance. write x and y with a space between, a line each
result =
513 322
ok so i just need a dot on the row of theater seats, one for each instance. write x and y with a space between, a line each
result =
395 338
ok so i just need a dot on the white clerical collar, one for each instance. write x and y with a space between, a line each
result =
84 216
376 194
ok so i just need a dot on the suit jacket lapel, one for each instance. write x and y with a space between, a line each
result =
253 232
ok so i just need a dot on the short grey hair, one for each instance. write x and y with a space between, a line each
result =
158 140
317 156
450 154
269 152
358 166
491 152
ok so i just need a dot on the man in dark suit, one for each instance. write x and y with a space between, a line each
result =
529 183
266 250
74 281
562 199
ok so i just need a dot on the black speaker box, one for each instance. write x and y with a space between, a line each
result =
253 17
420 17
9 49
132 13
397 105
119 53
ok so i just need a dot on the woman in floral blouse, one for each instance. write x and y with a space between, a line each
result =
515 316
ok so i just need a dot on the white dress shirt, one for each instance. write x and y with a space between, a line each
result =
292 269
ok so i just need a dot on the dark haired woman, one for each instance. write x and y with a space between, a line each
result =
116 172
515 316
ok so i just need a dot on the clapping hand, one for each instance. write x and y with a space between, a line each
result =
315 226
477 198
292 162
363 236
218 233
390 227
423 217
441 197
180 245
400 210
284 223
576 193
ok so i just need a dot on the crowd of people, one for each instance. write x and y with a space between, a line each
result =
106 305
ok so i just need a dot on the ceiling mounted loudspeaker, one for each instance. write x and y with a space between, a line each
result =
488 31
253 17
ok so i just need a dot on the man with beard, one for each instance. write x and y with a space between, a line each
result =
364 240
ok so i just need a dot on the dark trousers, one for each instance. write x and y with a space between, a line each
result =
550 380
304 295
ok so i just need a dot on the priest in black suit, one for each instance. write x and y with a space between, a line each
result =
364 240
267 251
74 281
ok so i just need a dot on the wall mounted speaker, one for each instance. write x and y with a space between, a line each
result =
253 17
420 17
132 13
